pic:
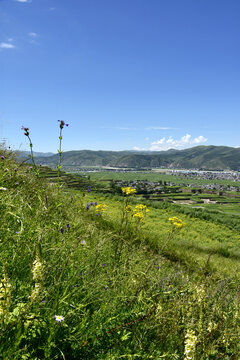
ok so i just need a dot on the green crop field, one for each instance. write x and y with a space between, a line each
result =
153 176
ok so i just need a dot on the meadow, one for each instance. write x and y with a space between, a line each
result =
90 275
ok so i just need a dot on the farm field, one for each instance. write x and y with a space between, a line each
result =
226 203
153 176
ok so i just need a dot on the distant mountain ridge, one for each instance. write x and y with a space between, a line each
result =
35 153
199 157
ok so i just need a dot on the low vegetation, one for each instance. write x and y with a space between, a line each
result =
91 276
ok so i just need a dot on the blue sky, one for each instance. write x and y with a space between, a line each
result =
125 74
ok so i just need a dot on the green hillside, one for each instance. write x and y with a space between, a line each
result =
199 157
100 277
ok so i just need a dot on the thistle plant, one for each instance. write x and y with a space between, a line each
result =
27 134
59 166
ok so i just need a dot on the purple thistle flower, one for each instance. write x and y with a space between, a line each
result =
68 226
26 130
89 188
62 124
15 169
30 167
2 157
62 230
87 207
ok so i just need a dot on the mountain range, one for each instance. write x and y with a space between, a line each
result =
199 157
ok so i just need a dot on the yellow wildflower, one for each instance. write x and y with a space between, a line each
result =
128 190
128 208
178 223
101 207
141 207
139 215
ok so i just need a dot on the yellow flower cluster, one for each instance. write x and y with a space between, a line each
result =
139 215
128 208
142 207
128 190
101 208
139 212
178 223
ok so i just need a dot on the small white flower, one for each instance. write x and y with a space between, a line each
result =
3 188
59 318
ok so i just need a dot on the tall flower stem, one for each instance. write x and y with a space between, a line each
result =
59 166
26 133
59 157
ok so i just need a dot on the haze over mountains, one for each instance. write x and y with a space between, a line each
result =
199 157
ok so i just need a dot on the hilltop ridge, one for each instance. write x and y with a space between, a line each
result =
200 157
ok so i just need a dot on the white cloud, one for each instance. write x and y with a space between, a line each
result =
24 1
119 128
32 34
4 45
182 143
52 8
139 149
10 39
160 128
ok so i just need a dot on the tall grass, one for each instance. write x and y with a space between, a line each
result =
63 295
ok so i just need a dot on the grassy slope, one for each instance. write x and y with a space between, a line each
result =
118 295
193 244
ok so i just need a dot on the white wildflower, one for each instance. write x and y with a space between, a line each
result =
59 318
